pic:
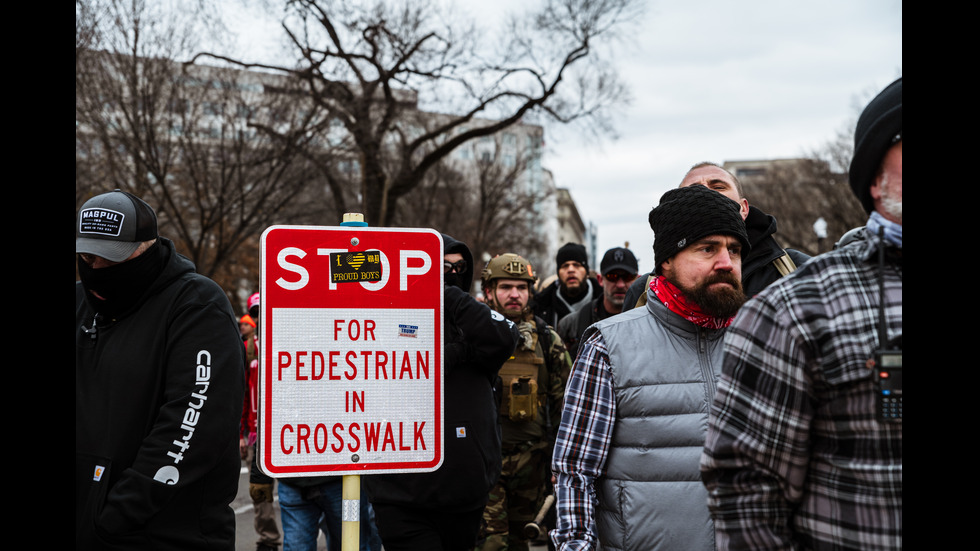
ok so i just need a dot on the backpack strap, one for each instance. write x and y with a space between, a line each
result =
784 264
544 337
643 296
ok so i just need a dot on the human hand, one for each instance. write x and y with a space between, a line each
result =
260 492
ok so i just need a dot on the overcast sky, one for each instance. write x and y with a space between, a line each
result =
721 80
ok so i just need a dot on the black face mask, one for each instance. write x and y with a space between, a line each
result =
123 284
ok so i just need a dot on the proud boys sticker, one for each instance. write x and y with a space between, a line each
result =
355 266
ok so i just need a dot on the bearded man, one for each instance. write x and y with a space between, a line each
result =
531 384
574 289
636 405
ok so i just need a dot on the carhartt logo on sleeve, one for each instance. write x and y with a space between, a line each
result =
101 221
99 469
168 474
460 432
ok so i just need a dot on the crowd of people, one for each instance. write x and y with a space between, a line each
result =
738 396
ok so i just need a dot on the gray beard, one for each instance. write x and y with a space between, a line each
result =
891 205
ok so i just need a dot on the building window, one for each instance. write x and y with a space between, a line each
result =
749 172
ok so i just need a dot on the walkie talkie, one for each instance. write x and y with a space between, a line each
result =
887 360
888 382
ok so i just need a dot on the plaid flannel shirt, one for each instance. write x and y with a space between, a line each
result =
582 444
794 457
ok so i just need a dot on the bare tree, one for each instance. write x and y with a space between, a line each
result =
505 216
799 193
365 65
188 141
494 215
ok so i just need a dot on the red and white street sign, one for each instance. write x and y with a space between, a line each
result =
351 374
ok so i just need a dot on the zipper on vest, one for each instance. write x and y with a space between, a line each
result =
704 360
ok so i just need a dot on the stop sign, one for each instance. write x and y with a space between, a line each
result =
351 369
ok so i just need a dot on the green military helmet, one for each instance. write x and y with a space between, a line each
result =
508 266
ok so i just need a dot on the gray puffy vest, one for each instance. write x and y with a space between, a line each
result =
664 373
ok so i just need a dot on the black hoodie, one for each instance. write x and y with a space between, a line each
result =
464 280
158 401
478 341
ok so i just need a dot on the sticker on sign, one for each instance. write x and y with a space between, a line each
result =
351 373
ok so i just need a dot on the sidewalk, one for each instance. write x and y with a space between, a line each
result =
245 533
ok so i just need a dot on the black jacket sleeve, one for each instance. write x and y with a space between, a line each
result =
477 337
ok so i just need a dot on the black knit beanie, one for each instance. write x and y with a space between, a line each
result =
879 126
572 251
689 213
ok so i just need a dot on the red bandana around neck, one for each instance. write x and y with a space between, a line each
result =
675 301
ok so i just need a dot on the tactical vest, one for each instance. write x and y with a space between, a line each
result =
525 381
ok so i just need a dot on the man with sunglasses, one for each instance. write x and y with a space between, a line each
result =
617 271
443 510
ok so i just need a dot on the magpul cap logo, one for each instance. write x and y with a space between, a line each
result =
101 221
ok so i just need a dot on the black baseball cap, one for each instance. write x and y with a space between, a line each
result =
618 258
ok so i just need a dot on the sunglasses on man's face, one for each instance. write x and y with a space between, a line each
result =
450 267
616 276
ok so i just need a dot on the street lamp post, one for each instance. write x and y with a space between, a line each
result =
820 228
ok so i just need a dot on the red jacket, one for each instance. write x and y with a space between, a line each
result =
250 406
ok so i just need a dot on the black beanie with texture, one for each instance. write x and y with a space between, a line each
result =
878 128
690 213
572 251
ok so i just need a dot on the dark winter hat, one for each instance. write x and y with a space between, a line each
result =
878 128
689 213
113 225
572 251
618 258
